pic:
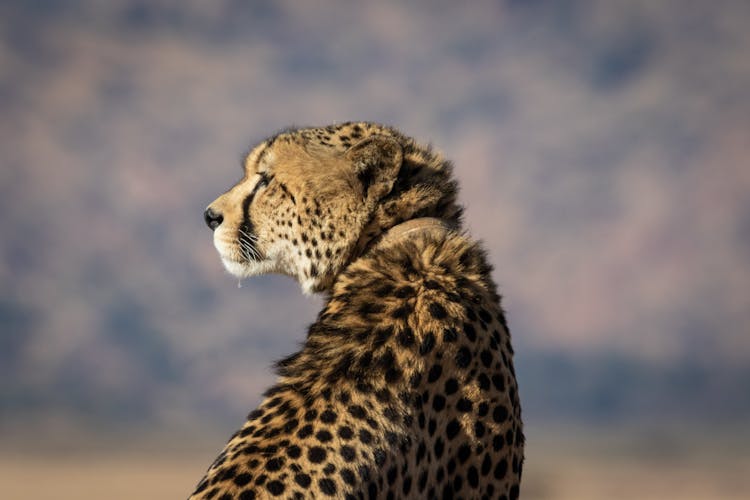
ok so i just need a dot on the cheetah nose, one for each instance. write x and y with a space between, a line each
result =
213 219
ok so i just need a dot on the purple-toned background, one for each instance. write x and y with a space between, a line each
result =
602 147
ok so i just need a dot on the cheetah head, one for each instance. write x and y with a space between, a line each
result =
310 200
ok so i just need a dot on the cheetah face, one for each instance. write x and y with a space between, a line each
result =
300 207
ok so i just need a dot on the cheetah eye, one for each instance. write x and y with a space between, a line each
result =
264 180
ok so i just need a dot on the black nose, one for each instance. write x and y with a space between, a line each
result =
213 219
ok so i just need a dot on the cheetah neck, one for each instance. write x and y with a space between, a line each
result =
407 229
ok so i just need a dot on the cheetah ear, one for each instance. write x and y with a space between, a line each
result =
376 161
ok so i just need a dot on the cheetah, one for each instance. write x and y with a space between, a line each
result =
404 386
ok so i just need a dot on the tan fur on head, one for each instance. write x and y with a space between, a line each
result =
312 200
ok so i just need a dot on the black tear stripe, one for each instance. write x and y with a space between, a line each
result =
246 227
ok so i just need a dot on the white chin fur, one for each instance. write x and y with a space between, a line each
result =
247 269
272 264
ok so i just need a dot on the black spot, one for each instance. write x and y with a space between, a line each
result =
438 402
484 381
392 473
247 495
391 437
500 414
486 464
486 357
513 494
367 308
447 492
276 488
345 432
384 290
498 382
305 431
365 436
364 472
347 453
464 405
421 451
387 360
479 429
458 483
383 395
483 409
451 386
439 448
501 469
372 488
316 454
463 357
401 312
344 397
294 451
274 464
470 332
437 311
406 337
485 316
357 411
363 387
452 429
327 486
382 335
391 414
323 436
348 476
422 481
406 486
242 479
464 452
473 477
311 415
498 442
329 469
431 285
290 425
392 375
435 373
428 343
404 292
328 417
509 436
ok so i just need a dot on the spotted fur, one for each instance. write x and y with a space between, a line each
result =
404 387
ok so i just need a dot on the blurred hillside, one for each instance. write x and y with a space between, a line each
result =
602 149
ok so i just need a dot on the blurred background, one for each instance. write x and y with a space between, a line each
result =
603 152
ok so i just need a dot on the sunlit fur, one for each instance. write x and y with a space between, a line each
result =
404 386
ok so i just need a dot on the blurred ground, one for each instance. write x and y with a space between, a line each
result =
562 465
